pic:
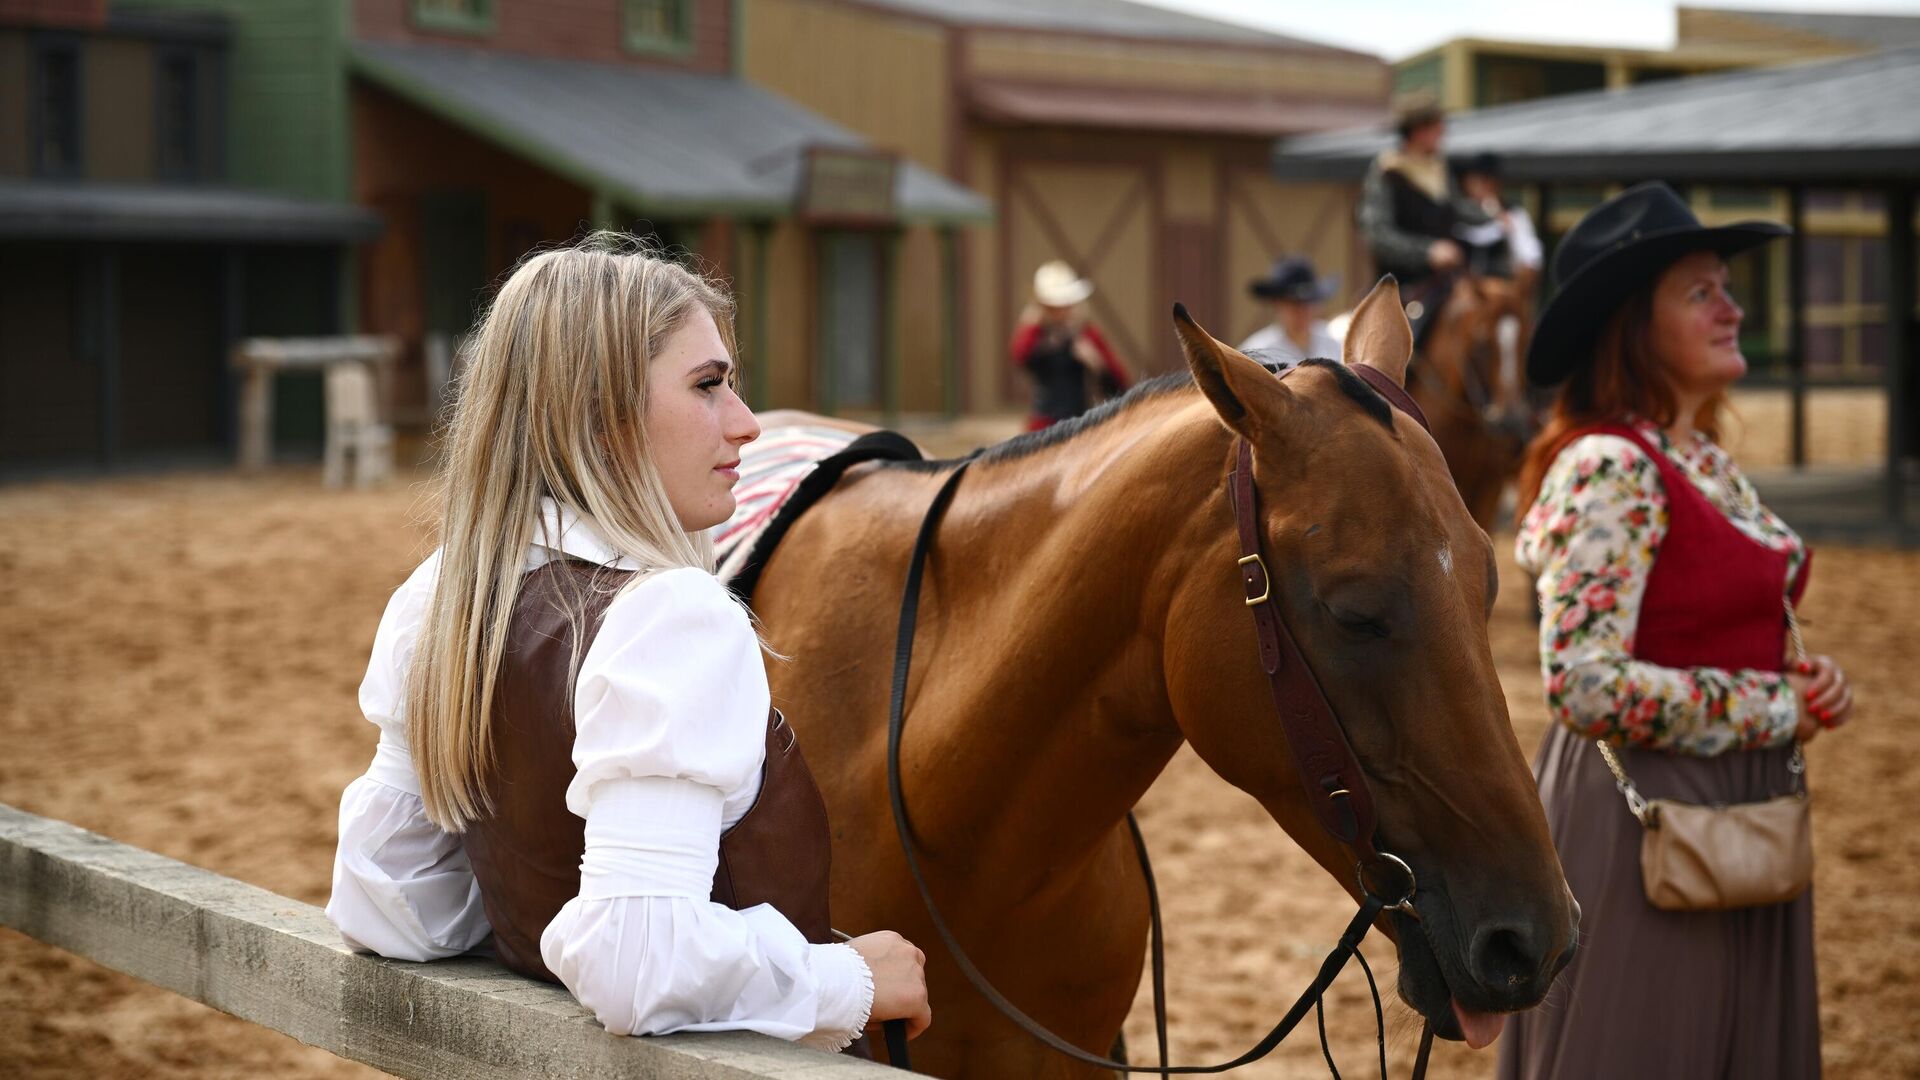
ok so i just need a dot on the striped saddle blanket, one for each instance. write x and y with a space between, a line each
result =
782 473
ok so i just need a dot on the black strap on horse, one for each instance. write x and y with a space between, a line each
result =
1330 775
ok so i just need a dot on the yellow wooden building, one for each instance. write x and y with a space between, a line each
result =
1846 229
1130 141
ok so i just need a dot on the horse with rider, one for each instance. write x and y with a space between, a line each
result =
1467 262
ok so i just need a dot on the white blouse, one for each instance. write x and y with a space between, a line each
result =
670 739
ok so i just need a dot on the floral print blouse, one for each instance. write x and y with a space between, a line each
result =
1590 539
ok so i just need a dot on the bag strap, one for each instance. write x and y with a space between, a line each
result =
1644 810
1637 804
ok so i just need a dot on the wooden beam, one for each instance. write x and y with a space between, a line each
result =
950 367
1900 352
280 963
1797 305
758 360
893 363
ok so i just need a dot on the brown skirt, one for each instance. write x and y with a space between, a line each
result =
1655 994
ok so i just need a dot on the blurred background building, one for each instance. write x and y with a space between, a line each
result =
139 236
1846 230
878 179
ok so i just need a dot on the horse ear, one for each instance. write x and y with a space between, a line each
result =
1379 335
1240 390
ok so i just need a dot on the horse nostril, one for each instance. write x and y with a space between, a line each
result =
1502 959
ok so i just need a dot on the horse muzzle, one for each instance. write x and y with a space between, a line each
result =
1462 982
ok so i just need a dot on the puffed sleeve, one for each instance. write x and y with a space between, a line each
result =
402 886
1591 538
670 716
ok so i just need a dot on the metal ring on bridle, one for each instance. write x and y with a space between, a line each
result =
1405 903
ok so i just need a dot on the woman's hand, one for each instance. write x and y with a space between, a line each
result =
899 980
1822 693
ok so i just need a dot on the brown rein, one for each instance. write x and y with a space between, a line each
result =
1330 775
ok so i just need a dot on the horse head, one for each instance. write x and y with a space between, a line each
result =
1386 583
1478 352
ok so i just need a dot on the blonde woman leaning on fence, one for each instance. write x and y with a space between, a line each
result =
577 753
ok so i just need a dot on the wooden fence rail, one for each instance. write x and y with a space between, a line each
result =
280 964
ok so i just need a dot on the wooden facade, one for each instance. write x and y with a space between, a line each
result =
590 30
459 213
1141 161
114 320
823 305
1846 235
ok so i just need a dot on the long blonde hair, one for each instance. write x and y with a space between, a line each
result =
551 404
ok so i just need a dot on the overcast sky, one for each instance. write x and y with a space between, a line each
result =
1399 28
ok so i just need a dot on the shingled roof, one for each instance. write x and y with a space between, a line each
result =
663 141
1852 119
1121 18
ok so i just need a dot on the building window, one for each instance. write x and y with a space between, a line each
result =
658 26
459 16
56 131
177 124
1826 280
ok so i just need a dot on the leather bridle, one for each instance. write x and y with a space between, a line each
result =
1330 777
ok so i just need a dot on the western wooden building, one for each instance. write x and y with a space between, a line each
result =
1128 140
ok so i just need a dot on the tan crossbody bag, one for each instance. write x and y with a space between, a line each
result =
1711 858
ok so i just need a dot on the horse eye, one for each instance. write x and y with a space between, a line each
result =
1362 625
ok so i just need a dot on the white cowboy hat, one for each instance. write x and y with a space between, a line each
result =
1056 285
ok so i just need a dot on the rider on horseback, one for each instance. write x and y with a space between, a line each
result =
1507 246
1408 212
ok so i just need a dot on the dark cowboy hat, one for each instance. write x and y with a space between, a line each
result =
1484 163
1292 278
1617 248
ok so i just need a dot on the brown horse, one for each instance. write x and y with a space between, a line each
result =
1470 382
1082 615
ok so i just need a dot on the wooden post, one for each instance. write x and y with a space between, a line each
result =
826 385
256 412
106 291
950 369
1797 304
716 246
893 364
233 327
1900 354
758 374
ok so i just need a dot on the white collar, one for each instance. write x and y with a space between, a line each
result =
561 530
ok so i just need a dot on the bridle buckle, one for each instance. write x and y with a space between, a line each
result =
1266 579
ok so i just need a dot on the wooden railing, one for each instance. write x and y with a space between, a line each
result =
279 963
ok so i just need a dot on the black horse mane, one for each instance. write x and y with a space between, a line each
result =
1032 442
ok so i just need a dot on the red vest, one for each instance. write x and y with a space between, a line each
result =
1713 596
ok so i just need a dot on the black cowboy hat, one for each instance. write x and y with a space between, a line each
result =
1292 278
1484 163
1614 250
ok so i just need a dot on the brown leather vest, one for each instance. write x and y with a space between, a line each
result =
526 856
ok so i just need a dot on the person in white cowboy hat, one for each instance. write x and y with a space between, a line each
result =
1058 345
1296 332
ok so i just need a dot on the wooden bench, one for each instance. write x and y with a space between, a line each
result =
279 963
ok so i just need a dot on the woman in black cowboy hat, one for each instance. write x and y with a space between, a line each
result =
1297 332
1667 592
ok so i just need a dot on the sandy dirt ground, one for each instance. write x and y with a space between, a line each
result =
178 662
